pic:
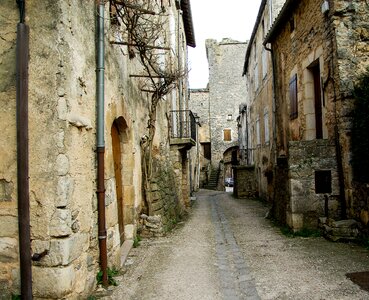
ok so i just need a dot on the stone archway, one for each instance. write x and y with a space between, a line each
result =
123 170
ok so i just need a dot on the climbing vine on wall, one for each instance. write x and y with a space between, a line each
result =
144 27
360 129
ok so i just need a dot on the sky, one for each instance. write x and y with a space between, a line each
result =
218 19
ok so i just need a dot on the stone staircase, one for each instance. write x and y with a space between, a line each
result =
213 180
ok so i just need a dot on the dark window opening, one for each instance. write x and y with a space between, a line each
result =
293 98
207 150
317 101
323 182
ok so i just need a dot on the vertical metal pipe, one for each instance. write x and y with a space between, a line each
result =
100 142
22 53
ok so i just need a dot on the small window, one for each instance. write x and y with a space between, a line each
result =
264 61
256 77
293 98
227 137
323 182
266 125
229 117
258 138
207 150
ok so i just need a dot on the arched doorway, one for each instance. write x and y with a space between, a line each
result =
118 169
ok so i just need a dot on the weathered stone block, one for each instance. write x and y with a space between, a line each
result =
62 165
8 226
53 282
6 190
8 249
129 231
65 250
64 191
129 195
110 194
60 224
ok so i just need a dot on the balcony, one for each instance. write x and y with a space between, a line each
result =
183 129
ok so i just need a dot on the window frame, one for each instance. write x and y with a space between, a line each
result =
293 95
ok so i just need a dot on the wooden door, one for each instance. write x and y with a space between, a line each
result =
117 157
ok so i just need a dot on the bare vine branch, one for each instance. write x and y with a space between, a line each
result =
145 26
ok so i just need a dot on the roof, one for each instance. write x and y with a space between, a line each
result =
187 21
283 16
257 22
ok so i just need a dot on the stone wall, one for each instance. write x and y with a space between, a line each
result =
199 104
9 274
350 22
62 128
259 75
244 182
309 45
306 205
227 90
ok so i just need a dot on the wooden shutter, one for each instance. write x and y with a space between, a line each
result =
227 135
293 98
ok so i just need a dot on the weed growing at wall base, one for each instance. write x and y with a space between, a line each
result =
136 241
111 274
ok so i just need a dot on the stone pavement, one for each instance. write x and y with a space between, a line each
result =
228 250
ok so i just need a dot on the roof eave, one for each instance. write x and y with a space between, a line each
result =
249 47
188 24
283 16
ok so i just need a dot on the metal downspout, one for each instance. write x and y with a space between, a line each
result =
22 55
100 141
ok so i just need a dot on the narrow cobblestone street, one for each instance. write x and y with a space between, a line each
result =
228 250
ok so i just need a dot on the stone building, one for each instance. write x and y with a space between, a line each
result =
319 48
199 104
256 115
89 104
217 107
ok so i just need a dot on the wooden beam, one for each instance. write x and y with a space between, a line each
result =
148 91
135 45
146 76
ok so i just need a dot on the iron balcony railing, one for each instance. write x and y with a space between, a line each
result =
183 124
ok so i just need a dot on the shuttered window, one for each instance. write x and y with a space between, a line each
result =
227 135
293 98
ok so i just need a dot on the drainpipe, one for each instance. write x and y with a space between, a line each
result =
22 53
100 142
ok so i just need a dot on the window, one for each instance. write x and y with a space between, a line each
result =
229 117
323 182
207 150
256 77
293 98
264 62
227 137
258 140
266 125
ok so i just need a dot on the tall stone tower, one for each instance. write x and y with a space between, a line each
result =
227 90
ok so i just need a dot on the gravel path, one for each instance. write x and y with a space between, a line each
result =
228 250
